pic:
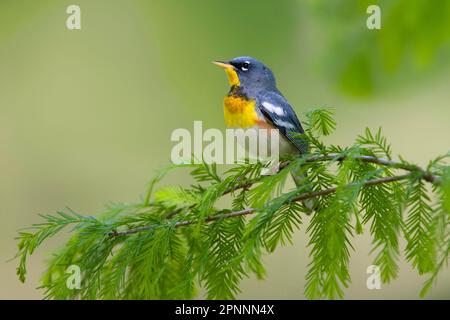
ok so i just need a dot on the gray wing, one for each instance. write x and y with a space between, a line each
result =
278 112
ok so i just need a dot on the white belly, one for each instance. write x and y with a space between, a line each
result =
263 144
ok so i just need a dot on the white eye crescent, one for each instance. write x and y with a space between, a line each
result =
245 66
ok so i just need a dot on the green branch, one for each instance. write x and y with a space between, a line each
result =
179 238
301 197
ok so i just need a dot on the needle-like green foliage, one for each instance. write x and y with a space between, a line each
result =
178 239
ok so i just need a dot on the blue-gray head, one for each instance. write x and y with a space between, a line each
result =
248 72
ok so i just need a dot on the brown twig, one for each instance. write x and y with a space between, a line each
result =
301 197
427 176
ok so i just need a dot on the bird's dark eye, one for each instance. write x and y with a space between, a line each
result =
244 66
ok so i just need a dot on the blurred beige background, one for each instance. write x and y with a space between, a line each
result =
86 116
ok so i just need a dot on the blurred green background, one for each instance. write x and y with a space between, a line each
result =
86 116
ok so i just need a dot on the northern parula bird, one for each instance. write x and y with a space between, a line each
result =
255 102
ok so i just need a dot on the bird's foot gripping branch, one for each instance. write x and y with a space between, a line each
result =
178 239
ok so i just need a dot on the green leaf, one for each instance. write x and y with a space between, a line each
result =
321 120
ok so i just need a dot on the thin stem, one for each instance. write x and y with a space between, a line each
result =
301 197
427 176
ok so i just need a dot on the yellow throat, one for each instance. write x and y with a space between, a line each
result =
238 111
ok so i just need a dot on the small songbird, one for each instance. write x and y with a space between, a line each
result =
255 102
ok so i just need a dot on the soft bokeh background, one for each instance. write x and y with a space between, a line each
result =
86 116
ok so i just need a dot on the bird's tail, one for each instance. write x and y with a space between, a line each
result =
300 178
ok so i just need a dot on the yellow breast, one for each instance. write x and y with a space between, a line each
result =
240 112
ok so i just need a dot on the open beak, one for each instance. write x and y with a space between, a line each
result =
230 71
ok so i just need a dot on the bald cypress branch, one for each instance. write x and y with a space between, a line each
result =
427 176
248 211
178 239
